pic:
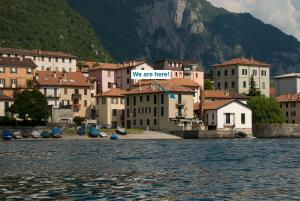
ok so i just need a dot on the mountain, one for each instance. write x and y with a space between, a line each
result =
187 29
48 25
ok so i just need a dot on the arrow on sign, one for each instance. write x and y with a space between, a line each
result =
171 95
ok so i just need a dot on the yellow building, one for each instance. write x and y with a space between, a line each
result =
290 106
66 90
163 106
16 75
110 108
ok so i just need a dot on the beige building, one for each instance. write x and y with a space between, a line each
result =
235 75
5 103
164 107
110 108
290 106
66 90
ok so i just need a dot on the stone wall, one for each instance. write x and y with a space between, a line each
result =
214 134
276 130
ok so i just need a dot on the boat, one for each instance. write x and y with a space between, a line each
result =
45 134
56 132
114 137
240 135
35 134
103 134
81 130
17 134
25 133
94 132
7 134
107 126
121 131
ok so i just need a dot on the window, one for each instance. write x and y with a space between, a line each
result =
34 58
225 85
108 73
244 84
293 113
134 112
233 84
149 109
85 91
141 98
103 100
56 59
196 74
65 91
287 114
128 71
13 70
142 110
2 82
162 111
287 105
243 118
162 99
219 73
128 81
114 100
127 101
225 72
154 113
97 101
213 116
127 112
280 105
148 122
263 85
70 60
29 70
227 118
114 112
14 82
2 70
254 72
293 121
85 103
244 72
139 111
154 98
49 59
134 122
219 85
141 122
232 72
176 74
148 98
263 73
43 59
134 100
293 104
63 60
154 121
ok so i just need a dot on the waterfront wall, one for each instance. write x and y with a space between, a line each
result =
276 130
205 134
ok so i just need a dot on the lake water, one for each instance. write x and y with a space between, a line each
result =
150 170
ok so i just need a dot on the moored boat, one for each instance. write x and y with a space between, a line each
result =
17 134
103 134
45 134
35 134
94 132
7 134
114 137
121 131
81 130
56 132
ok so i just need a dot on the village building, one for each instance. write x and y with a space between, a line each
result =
287 84
45 60
16 75
109 75
290 106
222 95
66 92
227 115
5 103
235 75
110 108
164 106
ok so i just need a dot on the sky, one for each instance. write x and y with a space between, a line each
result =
283 14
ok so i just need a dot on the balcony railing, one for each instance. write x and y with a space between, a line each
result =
76 96
61 106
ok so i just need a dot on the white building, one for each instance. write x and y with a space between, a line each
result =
287 84
45 60
228 115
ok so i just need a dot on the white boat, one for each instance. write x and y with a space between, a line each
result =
35 134
17 134
103 135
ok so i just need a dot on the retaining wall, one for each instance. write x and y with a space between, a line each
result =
276 130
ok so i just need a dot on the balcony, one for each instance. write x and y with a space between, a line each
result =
54 96
61 106
76 96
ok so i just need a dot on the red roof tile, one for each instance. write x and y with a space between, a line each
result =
289 98
113 66
115 92
17 62
175 81
243 61
216 104
223 94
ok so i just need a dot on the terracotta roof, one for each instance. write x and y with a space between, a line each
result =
113 66
216 104
243 61
115 92
35 53
223 94
153 88
291 75
17 62
289 98
50 78
175 81
4 97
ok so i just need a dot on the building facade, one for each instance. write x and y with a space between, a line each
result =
16 75
66 90
290 107
221 95
45 60
228 115
110 108
287 84
5 103
235 75
149 106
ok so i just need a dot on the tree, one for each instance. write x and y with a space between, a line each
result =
78 120
265 110
253 91
31 105
208 85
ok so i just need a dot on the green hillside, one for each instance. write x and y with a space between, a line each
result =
48 25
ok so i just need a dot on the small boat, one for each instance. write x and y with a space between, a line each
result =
107 126
121 131
35 134
94 132
45 134
103 134
25 133
7 135
17 134
114 137
56 132
81 130
240 135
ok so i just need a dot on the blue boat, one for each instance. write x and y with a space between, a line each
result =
7 135
114 137
56 132
94 132
81 130
45 134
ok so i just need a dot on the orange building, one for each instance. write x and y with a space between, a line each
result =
16 74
